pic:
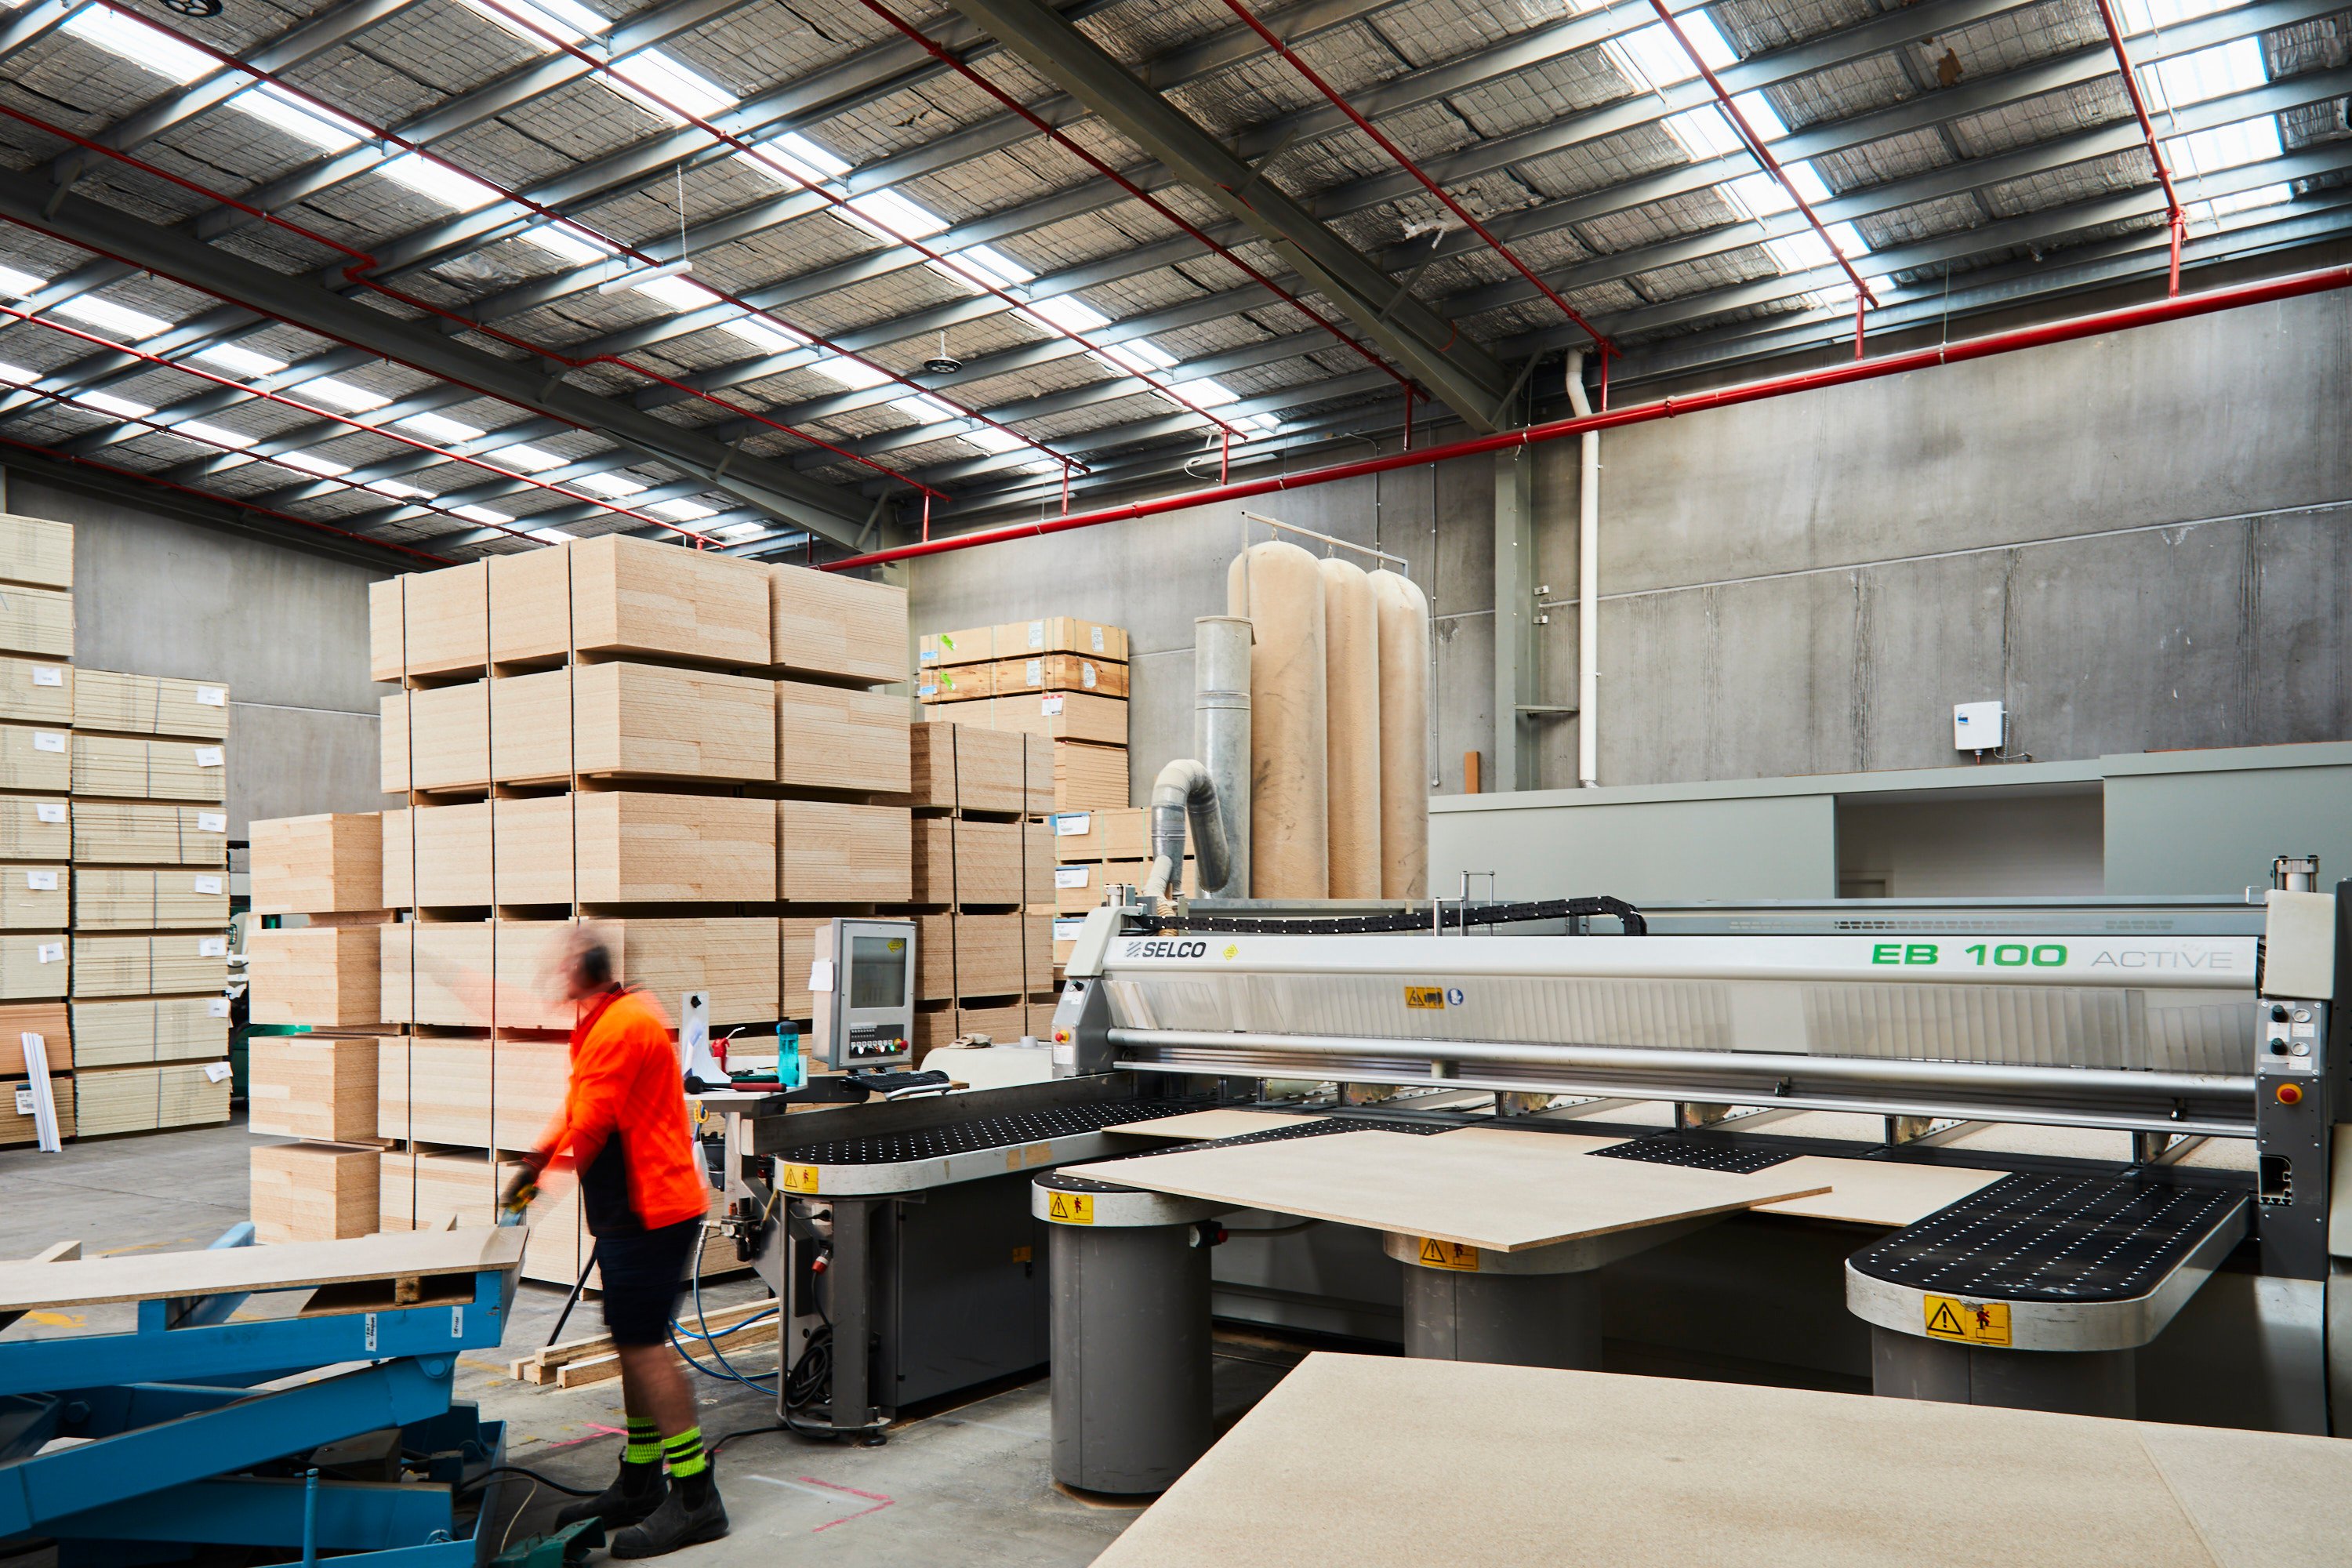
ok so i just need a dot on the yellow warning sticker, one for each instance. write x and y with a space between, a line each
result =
1428 996
1439 1254
1968 1323
799 1178
1070 1208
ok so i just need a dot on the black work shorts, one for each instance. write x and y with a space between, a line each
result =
645 1275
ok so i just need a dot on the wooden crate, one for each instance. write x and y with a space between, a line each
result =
634 721
16 1127
45 1019
831 627
135 833
149 705
1087 778
36 691
314 1192
955 683
972 645
632 598
1115 833
437 739
32 828
632 847
150 1098
829 853
140 1030
130 767
182 964
440 618
36 622
313 1086
426 1188
469 1090
118 898
331 863
1061 633
1046 672
35 897
36 760
831 737
36 552
34 965
330 977
733 959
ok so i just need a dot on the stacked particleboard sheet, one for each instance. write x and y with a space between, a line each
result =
938 685
1114 833
469 1090
631 848
313 1192
831 853
36 623
36 552
33 828
798 933
429 623
833 738
148 1099
144 1030
149 965
130 767
1061 633
617 596
328 976
966 863
1056 715
447 866
828 625
149 705
958 767
1876 1192
972 645
47 1022
34 965
732 958
327 863
35 898
964 954
1089 777
36 759
1079 886
139 833
36 691
437 739
632 721
425 1189
313 1085
1046 672
17 1126
1004 1023
118 898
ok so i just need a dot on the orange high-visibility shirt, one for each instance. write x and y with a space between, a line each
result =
624 1121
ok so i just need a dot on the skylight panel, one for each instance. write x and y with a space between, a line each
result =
197 430
549 535
887 215
1067 313
924 408
456 191
1650 57
568 244
481 514
528 459
395 488
743 530
150 48
1761 117
2248 201
240 362
796 154
610 485
761 334
108 316
2225 146
311 465
1139 357
1703 132
1760 194
1205 392
1808 181
566 20
341 395
273 106
680 511
2225 68
989 438
854 374
991 265
654 80
18 285
16 375
107 403
2147 15
437 427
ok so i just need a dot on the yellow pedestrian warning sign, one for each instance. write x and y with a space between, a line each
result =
1436 1253
1070 1208
799 1178
1967 1322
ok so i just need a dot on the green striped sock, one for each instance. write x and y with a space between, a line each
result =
684 1454
644 1442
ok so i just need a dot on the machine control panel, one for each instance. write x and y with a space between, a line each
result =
862 993
2288 1036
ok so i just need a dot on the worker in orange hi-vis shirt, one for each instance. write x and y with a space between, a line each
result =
624 1126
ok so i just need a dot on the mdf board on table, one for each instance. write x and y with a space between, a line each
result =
624 847
313 1086
36 622
314 1192
46 1022
469 1090
35 898
182 963
827 625
832 853
34 965
118 898
330 977
617 596
148 1099
835 738
633 721
130 767
36 691
331 863
36 552
32 828
1088 778
17 1126
139 833
149 705
140 1031
36 759
1046 672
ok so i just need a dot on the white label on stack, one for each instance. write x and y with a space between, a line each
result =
23 1099
51 952
211 696
47 811
1036 634
1068 929
1072 876
41 881
217 1072
1035 671
208 757
43 675
212 947
1086 675
208 884
1071 824
1099 640
212 821
217 1007
47 741
1050 706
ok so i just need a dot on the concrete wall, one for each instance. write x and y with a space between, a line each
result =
285 629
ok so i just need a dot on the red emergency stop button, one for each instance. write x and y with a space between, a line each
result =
2290 1094
1061 1037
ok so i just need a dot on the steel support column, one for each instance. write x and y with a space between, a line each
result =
1515 616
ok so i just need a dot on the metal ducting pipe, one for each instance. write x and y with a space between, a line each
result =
1220 739
1182 790
1588 584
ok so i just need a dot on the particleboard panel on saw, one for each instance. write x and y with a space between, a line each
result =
147 1099
36 691
831 737
965 863
242 1270
122 897
1060 672
45 1019
36 759
34 827
36 898
445 1088
313 1192
629 597
18 1128
37 623
1060 634
832 853
129 767
437 739
448 619
36 552
150 704
634 721
1205 1124
313 1086
331 863
34 965
141 833
1088 778
384 629
836 627
182 963
1876 1192
425 1189
1506 1195
138 1031
448 865
634 847
974 645
330 977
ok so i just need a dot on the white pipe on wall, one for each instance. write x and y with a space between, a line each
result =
1588 585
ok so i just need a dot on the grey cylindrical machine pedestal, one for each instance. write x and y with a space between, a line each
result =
2076 1383
1516 1319
1131 1356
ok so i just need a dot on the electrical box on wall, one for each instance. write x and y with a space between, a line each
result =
1976 726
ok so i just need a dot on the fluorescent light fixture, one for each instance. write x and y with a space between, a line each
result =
437 427
762 334
610 485
481 514
18 285
529 459
150 48
680 511
275 106
454 190
197 430
563 241
341 395
240 362
621 283
549 535
16 374
110 317
107 403
311 465
745 530
679 293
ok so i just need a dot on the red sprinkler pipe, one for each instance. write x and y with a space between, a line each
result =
2173 308
2175 216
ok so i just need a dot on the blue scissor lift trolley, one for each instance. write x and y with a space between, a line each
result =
294 1399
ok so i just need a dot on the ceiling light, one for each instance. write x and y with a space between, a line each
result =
151 49
438 428
623 282
107 403
680 511
18 285
740 529
944 364
481 514
610 485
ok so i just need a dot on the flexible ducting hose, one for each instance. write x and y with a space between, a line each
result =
1182 790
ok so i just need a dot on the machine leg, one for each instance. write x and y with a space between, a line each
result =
1131 1405
1513 1320
2076 1383
853 1314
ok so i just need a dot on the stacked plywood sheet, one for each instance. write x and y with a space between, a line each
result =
1093 851
36 686
140 1031
1060 678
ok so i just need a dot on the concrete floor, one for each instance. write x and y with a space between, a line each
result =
967 1485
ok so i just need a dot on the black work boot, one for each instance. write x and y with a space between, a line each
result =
633 1495
691 1513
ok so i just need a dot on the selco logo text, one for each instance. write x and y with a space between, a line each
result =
1167 950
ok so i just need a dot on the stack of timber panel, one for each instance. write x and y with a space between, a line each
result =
1093 851
320 881
684 747
149 901
36 683
1058 677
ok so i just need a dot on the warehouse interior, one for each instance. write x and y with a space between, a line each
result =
1357 749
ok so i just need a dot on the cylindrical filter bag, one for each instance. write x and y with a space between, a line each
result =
1278 589
1404 735
1351 684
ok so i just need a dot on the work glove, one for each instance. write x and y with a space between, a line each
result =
521 1184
